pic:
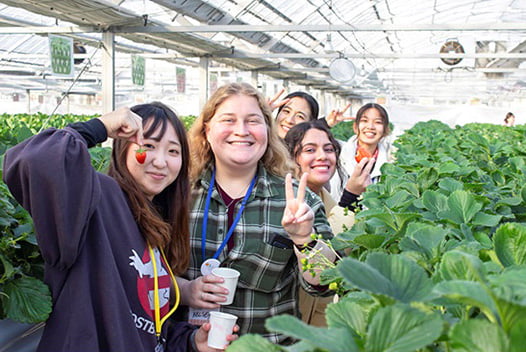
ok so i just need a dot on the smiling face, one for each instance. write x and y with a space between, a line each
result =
510 120
238 133
370 128
317 157
162 164
297 110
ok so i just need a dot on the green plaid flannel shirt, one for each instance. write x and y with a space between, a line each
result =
269 280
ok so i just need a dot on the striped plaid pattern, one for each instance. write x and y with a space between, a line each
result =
269 280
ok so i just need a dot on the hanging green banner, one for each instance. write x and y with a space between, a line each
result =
213 82
180 75
61 55
138 69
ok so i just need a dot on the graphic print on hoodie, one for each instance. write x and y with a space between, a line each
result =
145 282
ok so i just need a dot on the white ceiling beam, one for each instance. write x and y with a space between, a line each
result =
310 55
380 55
50 29
484 27
480 27
457 70
353 55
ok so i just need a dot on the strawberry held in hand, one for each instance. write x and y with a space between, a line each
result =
361 153
140 155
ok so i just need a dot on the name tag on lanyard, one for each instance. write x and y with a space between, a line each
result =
160 346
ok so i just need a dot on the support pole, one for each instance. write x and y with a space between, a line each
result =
28 101
204 84
108 72
254 80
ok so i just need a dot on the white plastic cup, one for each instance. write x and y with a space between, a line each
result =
230 276
222 326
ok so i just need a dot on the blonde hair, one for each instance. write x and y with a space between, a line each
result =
276 159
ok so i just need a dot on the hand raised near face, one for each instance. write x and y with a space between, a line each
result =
336 116
123 123
360 177
274 103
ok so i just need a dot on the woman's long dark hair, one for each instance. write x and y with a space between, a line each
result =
163 221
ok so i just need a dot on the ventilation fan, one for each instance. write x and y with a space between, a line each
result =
342 70
451 47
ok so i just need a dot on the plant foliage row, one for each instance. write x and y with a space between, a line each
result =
436 261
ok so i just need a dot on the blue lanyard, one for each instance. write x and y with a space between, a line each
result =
236 220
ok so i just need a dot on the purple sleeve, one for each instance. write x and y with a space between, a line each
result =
180 337
51 176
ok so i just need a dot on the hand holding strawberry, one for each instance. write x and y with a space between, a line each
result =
123 123
361 175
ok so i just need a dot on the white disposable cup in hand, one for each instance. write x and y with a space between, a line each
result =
230 276
222 325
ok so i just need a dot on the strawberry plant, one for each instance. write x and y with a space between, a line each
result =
343 131
23 295
188 121
436 258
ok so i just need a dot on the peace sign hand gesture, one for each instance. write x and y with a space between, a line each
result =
274 103
298 217
336 116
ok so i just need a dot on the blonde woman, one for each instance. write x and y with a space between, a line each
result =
246 214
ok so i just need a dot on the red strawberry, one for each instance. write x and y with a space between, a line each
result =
140 155
361 153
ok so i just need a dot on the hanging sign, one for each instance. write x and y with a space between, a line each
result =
180 74
61 55
138 69
213 82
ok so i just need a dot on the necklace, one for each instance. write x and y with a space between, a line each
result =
227 199
232 201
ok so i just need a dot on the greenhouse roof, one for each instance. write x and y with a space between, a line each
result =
409 50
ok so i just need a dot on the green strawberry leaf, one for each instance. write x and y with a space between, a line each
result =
27 300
